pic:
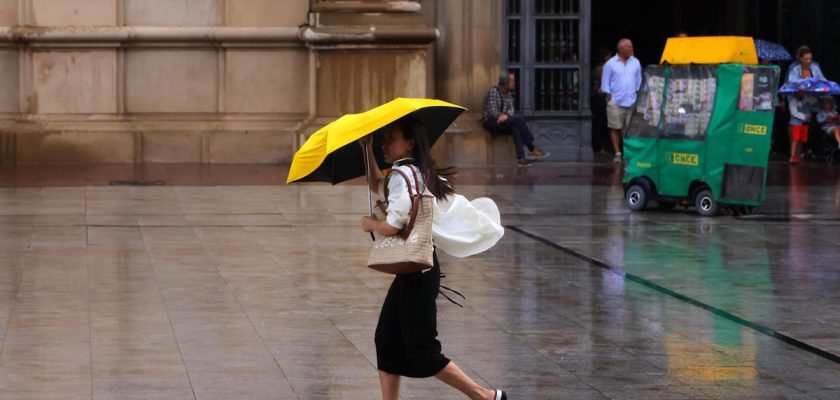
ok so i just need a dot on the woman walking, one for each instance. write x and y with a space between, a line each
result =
406 334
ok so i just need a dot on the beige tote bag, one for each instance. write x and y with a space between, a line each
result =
410 250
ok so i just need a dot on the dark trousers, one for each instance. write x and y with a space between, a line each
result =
515 126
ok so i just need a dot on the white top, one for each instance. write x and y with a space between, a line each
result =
460 227
622 80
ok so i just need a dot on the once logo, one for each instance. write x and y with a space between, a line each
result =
684 158
753 129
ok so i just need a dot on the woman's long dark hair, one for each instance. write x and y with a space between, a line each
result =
412 128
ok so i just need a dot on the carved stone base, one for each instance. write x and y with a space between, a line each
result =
565 139
467 143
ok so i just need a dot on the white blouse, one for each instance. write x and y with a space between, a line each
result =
460 227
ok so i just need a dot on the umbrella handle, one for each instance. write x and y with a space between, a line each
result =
367 188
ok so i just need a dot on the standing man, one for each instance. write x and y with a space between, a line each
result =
498 117
620 82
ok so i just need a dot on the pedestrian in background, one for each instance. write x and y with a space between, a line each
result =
499 118
804 67
801 106
620 81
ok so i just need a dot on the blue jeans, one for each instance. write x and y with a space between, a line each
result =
515 126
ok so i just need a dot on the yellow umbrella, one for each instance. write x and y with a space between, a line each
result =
331 154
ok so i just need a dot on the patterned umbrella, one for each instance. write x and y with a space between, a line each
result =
771 51
811 85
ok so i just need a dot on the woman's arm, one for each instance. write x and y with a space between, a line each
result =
399 207
795 109
375 173
381 226
816 71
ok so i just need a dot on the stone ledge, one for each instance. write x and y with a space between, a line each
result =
34 144
113 35
28 34
468 144
372 34
367 7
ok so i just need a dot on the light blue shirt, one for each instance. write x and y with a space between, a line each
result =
800 110
795 72
622 80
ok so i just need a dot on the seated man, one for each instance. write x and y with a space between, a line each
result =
829 119
499 118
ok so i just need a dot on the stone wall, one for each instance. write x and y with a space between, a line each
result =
240 81
212 81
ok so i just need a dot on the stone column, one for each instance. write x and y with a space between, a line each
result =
365 54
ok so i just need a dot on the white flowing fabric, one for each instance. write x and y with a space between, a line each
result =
462 228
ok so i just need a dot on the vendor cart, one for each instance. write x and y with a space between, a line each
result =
701 128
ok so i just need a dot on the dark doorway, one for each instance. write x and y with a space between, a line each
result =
790 22
649 23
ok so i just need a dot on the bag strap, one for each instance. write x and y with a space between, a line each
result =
415 197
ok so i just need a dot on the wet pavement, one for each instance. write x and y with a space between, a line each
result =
217 282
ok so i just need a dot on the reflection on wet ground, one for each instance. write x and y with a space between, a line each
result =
207 288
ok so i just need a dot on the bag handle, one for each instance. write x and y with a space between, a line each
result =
415 197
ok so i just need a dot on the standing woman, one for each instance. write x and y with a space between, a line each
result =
800 106
804 67
406 334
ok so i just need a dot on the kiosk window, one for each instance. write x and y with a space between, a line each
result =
648 110
757 89
689 99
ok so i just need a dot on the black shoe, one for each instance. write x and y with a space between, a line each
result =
500 395
524 162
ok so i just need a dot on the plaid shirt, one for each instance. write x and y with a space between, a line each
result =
496 103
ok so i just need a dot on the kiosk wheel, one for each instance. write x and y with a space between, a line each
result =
705 203
636 197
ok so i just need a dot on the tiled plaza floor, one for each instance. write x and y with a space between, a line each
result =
219 285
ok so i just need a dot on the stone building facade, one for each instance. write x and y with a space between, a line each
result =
238 81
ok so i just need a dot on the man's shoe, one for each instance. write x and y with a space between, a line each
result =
617 157
539 154
524 162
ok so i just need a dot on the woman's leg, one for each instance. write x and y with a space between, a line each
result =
390 385
455 377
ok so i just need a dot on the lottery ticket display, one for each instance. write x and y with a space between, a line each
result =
689 106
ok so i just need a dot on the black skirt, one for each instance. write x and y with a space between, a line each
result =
406 335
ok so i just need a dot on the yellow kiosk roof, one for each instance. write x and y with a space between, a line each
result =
709 50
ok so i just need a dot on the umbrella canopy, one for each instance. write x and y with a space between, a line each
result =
771 51
332 155
811 85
